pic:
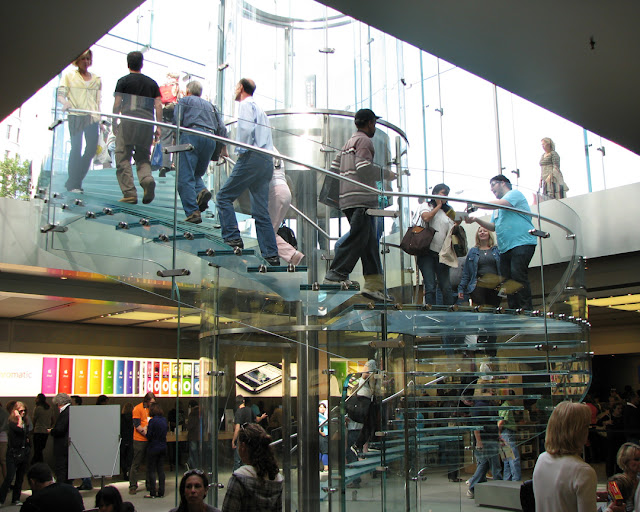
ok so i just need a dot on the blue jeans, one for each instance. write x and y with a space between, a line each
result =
514 265
191 169
252 171
361 243
79 163
194 454
487 458
431 267
512 469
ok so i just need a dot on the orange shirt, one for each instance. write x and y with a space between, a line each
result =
142 414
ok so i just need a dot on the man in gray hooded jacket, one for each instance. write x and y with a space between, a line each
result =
355 161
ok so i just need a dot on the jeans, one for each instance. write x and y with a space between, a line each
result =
487 458
360 244
139 452
512 469
252 171
79 163
194 454
17 470
514 265
191 169
430 268
155 464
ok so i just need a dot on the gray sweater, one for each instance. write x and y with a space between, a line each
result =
355 161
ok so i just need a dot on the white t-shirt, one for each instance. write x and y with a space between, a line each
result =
440 222
564 484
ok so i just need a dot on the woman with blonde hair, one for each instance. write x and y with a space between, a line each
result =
562 481
80 89
551 180
481 273
18 452
628 460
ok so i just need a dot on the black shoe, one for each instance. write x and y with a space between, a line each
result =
204 196
84 487
274 261
149 187
163 172
236 243
194 218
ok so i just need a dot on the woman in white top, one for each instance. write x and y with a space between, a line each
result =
435 213
562 481
279 202
81 89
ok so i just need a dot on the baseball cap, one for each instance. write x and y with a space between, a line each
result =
366 114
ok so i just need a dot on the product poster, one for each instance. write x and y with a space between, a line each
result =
30 374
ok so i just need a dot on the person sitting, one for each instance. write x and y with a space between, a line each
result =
49 495
257 485
193 491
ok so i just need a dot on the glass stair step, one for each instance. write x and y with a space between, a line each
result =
418 322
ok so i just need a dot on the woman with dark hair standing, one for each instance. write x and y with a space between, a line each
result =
156 451
126 435
439 215
42 422
256 486
18 452
193 491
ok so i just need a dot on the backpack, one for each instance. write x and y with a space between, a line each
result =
287 234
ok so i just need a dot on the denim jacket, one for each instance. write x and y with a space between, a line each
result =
470 271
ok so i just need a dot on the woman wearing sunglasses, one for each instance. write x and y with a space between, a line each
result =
18 452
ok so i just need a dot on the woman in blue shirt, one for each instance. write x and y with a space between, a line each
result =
156 450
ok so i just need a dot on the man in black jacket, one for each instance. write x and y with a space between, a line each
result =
50 496
60 433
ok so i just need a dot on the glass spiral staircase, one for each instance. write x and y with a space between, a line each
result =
435 362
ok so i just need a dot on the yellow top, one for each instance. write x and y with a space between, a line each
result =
81 93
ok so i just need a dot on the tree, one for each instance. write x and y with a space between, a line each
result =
15 178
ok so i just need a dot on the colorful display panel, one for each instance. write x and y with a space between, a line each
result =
30 374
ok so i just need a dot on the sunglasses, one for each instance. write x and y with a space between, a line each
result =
198 472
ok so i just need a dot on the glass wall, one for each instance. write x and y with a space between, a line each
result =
279 336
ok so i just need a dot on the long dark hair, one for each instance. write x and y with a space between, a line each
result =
184 507
261 454
42 400
109 495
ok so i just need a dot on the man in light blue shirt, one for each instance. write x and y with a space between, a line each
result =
252 171
515 243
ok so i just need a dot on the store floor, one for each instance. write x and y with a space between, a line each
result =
436 494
